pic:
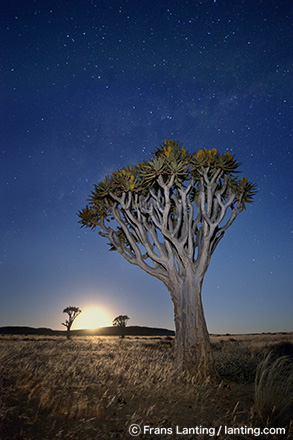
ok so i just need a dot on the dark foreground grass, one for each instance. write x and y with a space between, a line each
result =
94 388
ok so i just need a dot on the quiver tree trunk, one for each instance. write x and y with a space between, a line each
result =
192 341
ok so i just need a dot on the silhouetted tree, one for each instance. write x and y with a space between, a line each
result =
167 215
121 322
73 313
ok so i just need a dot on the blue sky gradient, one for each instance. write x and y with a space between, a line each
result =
88 87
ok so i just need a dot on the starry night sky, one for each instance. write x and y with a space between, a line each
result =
91 86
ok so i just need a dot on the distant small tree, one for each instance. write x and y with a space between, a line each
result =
73 313
121 322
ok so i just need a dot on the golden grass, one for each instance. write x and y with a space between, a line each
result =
274 390
95 387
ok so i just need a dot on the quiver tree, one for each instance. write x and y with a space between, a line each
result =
73 313
167 216
121 322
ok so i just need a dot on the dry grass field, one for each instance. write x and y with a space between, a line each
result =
94 388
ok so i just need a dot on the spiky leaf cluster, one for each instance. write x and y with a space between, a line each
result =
214 160
169 161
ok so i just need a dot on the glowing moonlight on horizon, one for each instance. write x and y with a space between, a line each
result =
92 318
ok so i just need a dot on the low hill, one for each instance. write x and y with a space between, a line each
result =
103 331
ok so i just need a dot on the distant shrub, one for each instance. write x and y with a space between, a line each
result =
217 345
235 364
282 349
274 390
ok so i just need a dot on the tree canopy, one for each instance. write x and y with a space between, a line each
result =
121 321
173 200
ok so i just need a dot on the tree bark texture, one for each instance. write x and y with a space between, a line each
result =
192 341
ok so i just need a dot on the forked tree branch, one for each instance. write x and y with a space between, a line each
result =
171 212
